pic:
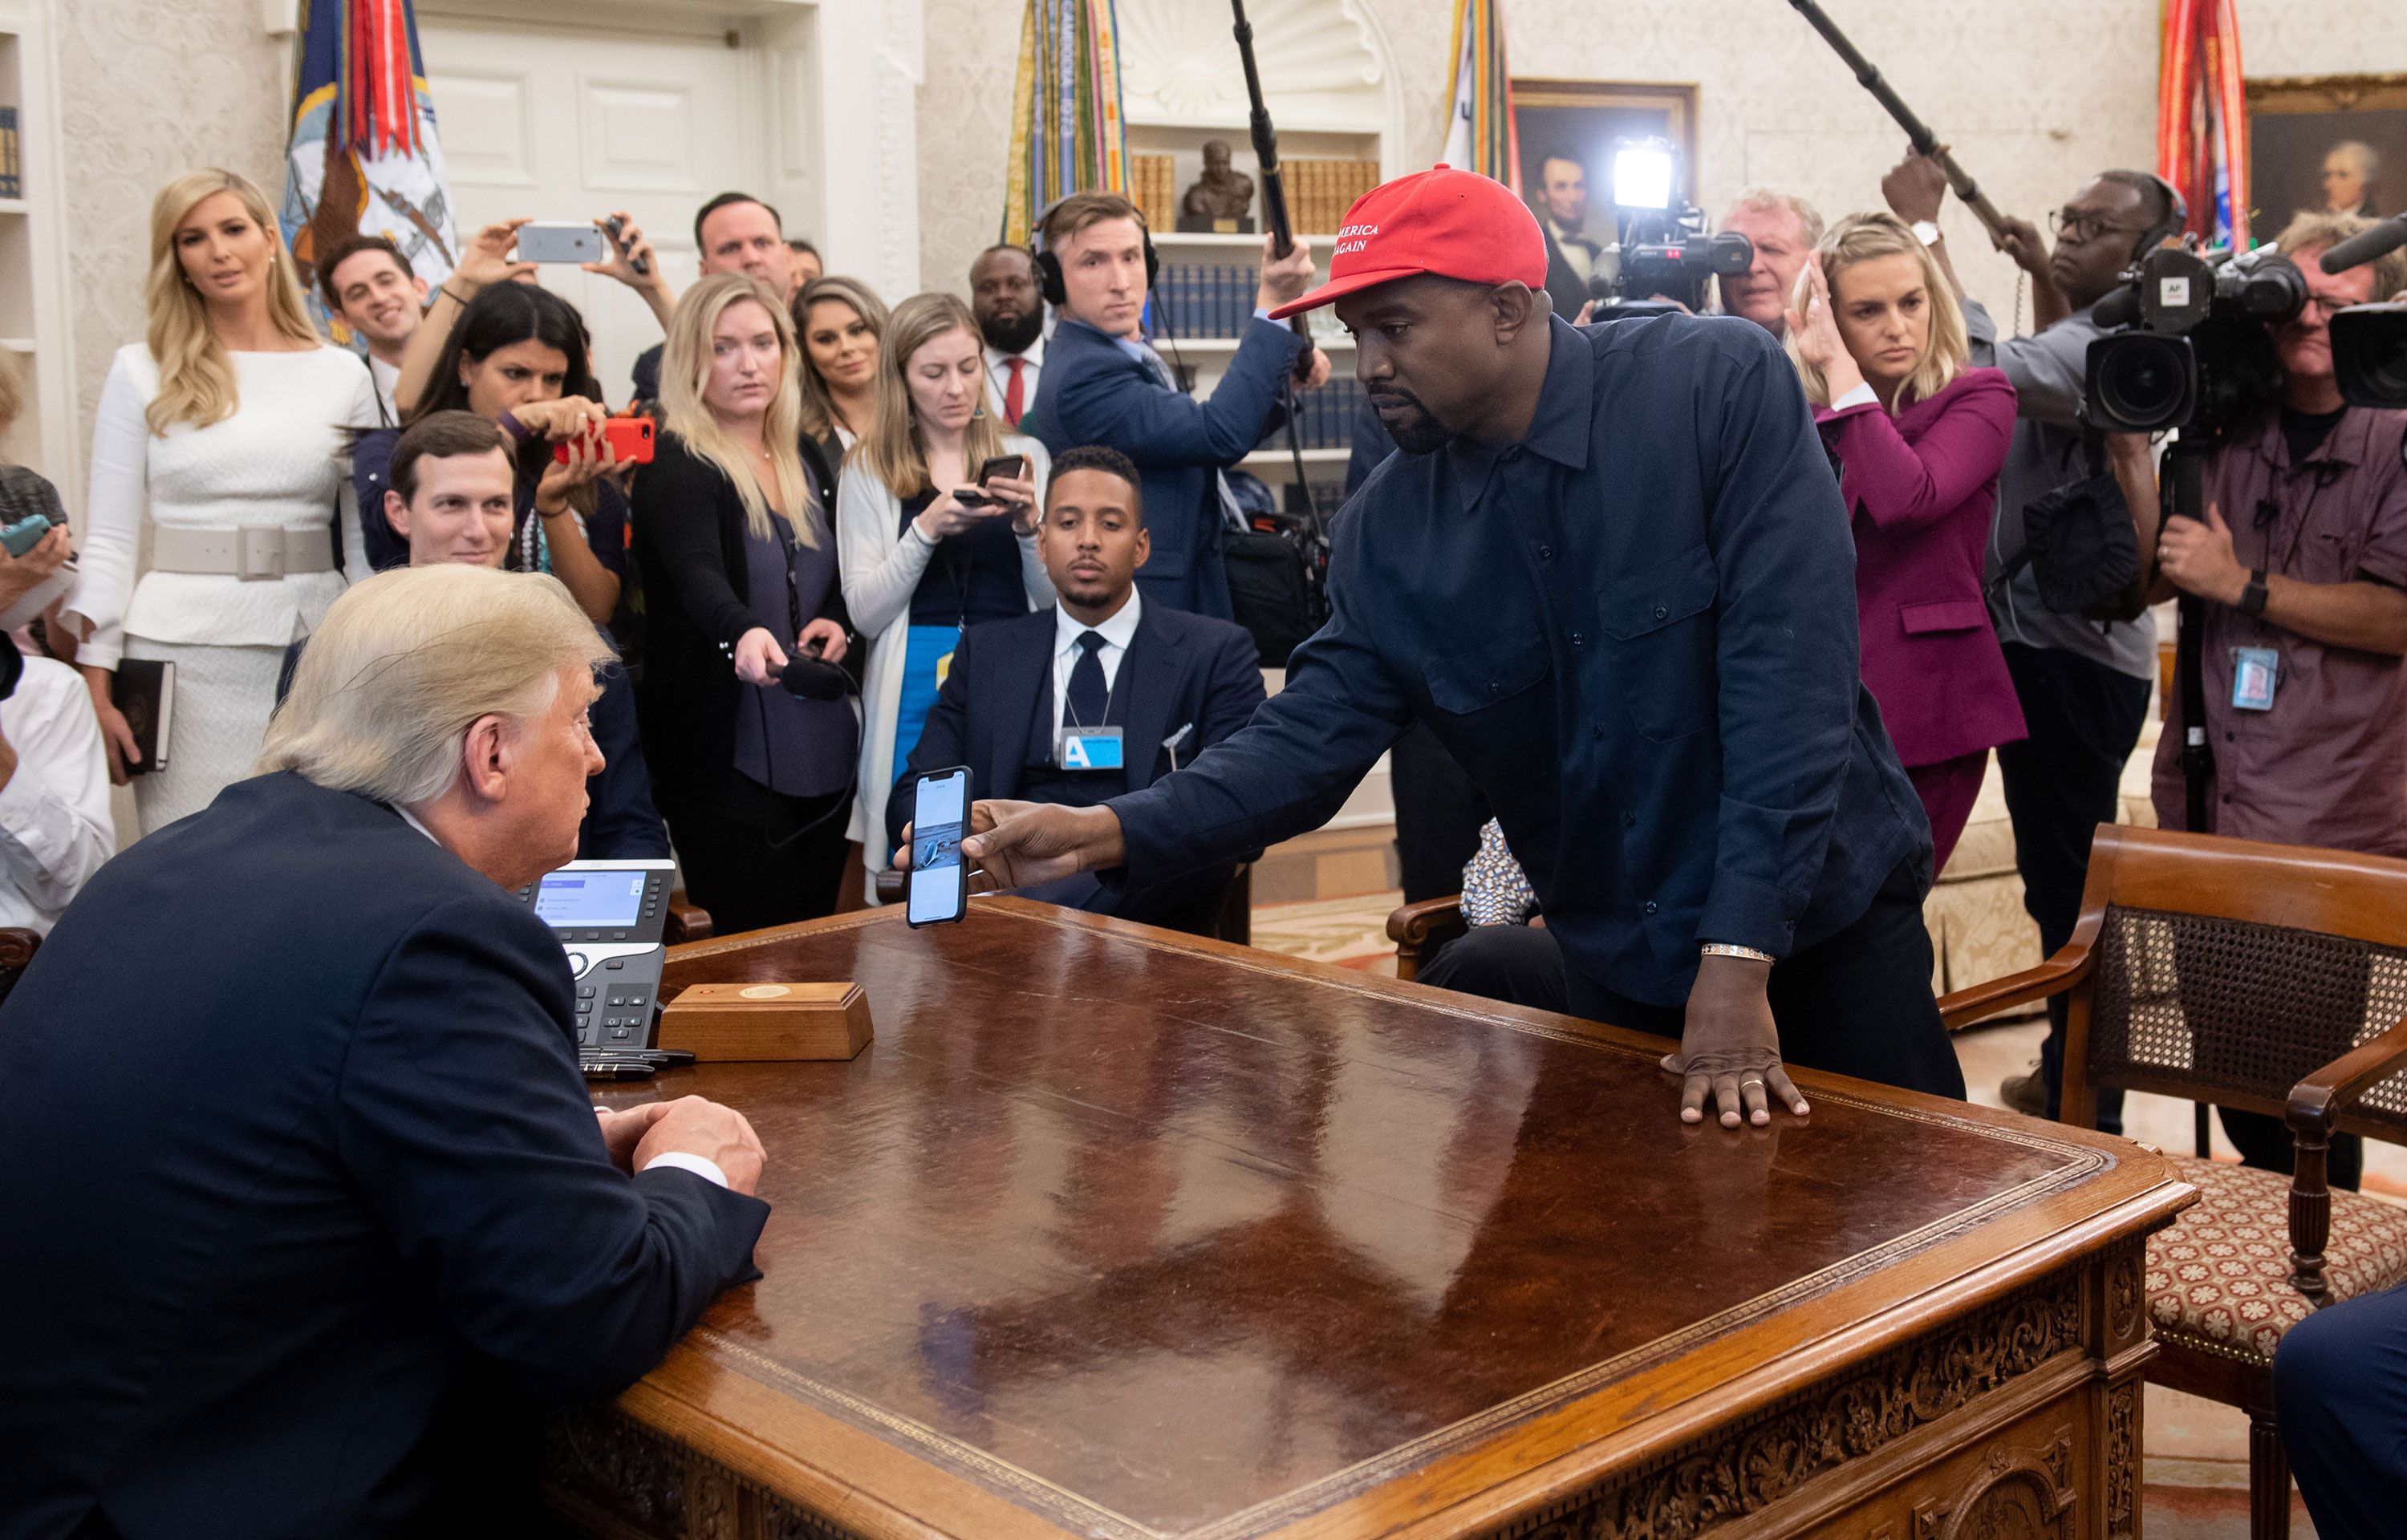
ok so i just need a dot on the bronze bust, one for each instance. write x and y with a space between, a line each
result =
1222 198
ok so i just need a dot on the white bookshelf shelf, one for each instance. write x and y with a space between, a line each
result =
16 345
14 206
1341 343
1282 456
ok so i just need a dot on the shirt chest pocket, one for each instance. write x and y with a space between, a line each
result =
1464 683
1661 622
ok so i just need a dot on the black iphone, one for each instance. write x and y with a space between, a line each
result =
938 888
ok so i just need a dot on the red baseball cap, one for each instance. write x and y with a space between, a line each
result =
1456 224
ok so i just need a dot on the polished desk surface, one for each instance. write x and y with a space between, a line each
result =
1114 1233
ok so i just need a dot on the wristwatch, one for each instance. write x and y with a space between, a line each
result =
2252 597
1925 231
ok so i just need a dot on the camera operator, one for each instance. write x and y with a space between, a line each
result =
2082 686
1784 229
2302 566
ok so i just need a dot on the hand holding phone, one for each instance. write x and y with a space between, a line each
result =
629 438
938 888
562 243
26 534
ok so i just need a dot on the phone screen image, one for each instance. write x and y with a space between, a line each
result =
940 810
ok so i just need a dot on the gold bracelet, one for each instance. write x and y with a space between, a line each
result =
1724 949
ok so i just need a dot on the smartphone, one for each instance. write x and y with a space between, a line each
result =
1014 466
26 534
632 437
562 243
617 228
938 889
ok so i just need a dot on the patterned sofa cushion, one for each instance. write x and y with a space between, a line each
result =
2219 1275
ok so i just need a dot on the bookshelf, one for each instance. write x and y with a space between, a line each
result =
33 339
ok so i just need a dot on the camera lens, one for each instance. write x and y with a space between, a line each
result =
2141 382
2369 355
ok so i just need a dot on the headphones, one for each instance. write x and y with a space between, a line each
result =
2176 216
1050 281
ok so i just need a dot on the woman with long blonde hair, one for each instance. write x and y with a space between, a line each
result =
938 530
1875 334
220 432
740 568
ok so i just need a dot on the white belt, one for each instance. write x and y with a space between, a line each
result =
255 553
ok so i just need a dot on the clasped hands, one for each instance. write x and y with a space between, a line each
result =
1729 1047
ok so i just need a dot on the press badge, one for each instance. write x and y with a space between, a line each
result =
2253 672
1087 749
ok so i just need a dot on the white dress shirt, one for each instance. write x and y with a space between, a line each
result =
1118 632
386 375
701 1166
998 374
55 829
1578 249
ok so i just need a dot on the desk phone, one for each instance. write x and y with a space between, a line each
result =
609 916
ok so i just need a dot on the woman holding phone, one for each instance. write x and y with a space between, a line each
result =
936 514
519 357
740 565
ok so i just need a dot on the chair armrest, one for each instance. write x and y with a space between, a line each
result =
2068 967
2316 1100
17 948
686 922
1417 924
890 884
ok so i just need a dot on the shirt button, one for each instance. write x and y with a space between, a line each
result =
1578 641
1546 553
1650 906
1662 612
1494 688
1630 820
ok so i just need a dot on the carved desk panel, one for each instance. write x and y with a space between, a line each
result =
1116 1234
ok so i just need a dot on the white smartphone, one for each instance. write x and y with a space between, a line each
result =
938 889
562 243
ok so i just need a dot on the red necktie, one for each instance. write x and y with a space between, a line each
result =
1015 400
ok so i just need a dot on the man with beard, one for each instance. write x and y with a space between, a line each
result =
1612 571
1010 314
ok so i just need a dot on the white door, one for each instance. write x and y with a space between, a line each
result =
566 122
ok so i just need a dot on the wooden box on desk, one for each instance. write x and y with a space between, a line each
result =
731 1022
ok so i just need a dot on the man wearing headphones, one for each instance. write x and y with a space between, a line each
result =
1104 384
2083 685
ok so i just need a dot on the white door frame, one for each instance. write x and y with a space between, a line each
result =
837 73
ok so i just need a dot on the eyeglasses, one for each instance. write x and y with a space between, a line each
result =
2329 307
2085 228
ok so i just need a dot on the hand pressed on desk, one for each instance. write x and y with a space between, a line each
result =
692 1126
1018 843
1729 1046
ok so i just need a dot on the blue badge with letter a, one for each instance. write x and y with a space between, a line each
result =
1087 749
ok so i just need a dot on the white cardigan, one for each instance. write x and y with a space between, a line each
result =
881 563
278 460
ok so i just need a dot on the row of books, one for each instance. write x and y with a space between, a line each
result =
1319 192
12 170
1326 417
1206 299
1153 187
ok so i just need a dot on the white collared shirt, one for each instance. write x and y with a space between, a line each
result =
386 375
1577 249
55 829
1118 632
998 374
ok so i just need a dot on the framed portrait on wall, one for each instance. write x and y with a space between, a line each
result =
1568 131
2326 142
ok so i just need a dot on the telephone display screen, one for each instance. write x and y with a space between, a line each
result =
937 882
578 900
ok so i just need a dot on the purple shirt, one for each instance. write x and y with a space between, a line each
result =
2328 765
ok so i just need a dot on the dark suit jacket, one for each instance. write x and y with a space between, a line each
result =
299 1131
1180 670
620 822
1565 288
1093 392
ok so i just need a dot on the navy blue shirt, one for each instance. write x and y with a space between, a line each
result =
1635 629
973 577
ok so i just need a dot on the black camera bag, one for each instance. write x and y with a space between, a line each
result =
2079 545
1274 584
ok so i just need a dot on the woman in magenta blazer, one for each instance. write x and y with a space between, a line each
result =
1918 439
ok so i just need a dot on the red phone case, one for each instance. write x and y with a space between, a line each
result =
632 437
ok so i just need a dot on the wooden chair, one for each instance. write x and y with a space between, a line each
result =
1234 922
686 922
1420 929
2270 978
16 949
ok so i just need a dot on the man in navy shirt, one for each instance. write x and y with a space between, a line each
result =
1611 568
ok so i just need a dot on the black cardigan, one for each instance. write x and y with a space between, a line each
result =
688 539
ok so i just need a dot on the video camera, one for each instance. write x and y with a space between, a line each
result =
2369 344
1666 248
2189 346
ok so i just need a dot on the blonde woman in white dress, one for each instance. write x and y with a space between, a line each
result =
221 434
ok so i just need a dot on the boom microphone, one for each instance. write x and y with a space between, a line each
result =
2382 239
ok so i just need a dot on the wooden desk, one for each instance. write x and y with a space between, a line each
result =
1118 1234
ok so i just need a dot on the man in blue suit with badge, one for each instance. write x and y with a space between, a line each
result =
1104 384
1099 695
